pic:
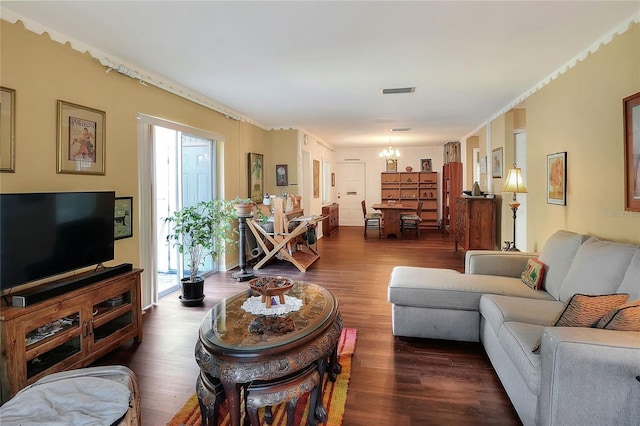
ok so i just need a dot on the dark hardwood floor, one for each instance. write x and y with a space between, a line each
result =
394 381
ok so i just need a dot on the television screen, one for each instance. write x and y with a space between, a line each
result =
45 234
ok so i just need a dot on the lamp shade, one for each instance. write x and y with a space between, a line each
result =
514 182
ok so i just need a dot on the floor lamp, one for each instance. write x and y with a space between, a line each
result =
515 184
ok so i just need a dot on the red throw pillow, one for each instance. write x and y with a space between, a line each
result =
533 273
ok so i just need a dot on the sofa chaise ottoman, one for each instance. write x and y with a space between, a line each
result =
553 375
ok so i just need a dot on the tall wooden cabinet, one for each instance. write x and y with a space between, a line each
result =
451 188
68 331
410 187
475 223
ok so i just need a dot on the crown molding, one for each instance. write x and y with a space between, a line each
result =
130 70
620 29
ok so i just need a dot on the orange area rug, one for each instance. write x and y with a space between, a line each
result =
334 396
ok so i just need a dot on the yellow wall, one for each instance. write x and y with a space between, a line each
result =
581 113
43 71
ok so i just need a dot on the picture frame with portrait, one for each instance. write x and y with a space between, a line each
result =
81 139
282 175
426 165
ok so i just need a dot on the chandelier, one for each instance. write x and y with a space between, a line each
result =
390 153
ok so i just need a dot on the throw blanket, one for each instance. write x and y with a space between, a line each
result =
73 401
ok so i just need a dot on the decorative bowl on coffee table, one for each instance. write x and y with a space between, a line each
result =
269 287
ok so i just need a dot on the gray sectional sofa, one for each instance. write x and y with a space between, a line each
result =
581 376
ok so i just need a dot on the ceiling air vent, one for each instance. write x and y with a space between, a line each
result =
398 90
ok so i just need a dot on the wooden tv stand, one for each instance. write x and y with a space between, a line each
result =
76 328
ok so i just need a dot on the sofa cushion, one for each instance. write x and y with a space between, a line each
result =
517 340
533 274
449 289
557 254
497 309
624 318
597 268
586 310
631 281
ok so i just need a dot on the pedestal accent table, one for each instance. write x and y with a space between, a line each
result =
243 274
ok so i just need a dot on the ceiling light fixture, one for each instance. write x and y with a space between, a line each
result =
401 129
398 90
390 153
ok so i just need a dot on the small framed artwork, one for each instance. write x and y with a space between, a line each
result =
483 165
632 152
282 175
333 179
123 218
256 177
392 165
7 130
316 179
81 139
557 178
425 165
496 163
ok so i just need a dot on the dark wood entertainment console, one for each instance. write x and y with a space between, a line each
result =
68 331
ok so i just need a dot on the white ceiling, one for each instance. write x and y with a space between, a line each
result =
320 65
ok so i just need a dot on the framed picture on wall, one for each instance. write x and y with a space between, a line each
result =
282 175
496 163
7 129
316 179
256 177
557 178
425 165
392 165
483 165
81 139
632 152
123 218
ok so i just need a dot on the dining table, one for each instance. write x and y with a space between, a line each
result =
391 217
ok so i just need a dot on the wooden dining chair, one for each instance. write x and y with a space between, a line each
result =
411 221
371 220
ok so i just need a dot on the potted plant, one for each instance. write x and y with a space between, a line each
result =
243 206
198 231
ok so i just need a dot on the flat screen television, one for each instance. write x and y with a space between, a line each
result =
46 234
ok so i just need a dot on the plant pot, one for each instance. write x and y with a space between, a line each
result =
243 209
192 291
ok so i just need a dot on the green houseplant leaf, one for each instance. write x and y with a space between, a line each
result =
202 230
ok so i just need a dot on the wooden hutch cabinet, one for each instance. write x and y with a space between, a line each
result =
408 188
451 188
332 223
68 331
475 223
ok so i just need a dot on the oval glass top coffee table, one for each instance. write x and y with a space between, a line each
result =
239 344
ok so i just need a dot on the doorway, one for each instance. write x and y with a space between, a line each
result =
177 166
350 184
184 171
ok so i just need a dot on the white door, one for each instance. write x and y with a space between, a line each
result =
350 182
